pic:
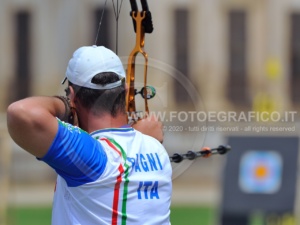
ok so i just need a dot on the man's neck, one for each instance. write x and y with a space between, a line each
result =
92 123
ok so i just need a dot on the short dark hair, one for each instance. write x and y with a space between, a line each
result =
110 101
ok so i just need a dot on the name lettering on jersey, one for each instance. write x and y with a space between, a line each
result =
146 162
148 190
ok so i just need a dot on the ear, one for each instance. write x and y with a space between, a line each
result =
72 95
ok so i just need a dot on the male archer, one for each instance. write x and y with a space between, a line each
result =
108 172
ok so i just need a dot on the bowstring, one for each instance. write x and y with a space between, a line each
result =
100 23
117 11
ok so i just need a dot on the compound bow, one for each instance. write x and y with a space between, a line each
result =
142 23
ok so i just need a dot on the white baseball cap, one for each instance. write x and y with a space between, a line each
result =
88 61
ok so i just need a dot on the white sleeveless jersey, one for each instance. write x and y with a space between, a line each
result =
134 189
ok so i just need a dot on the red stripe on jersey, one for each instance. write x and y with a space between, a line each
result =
116 197
111 145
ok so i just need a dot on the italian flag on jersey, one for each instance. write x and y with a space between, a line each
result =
123 170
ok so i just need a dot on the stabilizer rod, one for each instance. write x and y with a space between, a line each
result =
205 153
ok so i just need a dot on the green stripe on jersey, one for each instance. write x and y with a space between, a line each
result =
126 174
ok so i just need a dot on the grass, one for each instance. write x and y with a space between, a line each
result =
29 216
192 215
180 215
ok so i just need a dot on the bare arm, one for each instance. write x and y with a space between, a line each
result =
32 124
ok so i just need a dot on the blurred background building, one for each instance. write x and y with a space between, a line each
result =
224 47
210 55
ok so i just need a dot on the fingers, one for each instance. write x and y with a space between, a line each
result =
150 126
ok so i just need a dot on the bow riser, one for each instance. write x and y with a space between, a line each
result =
130 77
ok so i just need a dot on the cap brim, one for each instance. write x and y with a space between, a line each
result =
64 80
